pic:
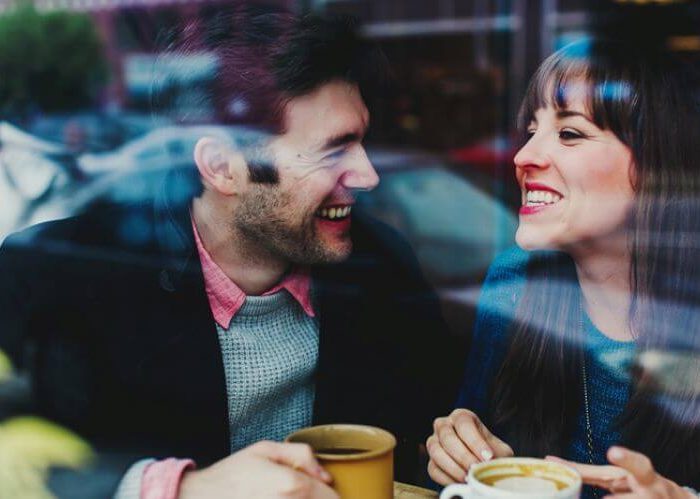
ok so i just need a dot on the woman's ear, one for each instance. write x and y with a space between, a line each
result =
221 168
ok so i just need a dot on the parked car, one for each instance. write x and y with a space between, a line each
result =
165 147
33 173
454 222
94 131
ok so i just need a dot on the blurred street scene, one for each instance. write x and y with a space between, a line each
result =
93 108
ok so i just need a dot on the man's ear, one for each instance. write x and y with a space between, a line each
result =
220 167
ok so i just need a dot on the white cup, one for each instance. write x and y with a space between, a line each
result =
518 466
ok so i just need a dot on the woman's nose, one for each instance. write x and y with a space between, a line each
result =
532 154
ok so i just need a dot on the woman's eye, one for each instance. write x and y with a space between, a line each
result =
568 134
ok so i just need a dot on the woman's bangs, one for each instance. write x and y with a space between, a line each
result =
549 86
575 73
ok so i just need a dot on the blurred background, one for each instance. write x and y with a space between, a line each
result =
78 77
76 122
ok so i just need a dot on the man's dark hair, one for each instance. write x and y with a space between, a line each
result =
267 57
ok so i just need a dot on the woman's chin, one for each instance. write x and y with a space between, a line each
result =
530 240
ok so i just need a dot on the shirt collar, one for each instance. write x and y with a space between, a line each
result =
226 298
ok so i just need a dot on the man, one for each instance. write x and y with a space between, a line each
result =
243 305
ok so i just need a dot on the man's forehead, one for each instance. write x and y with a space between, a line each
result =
334 111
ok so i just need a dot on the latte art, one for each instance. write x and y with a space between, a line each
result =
529 484
541 478
517 478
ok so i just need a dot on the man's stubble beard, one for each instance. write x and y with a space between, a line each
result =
295 239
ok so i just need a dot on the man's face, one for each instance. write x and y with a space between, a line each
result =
305 218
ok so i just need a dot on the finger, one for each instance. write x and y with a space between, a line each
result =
320 490
454 446
297 456
500 448
608 477
439 476
296 484
637 464
469 429
443 461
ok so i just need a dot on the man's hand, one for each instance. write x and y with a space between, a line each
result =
631 475
265 469
458 441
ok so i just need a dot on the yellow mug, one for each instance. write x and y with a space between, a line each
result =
359 458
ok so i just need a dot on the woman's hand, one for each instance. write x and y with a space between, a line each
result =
458 441
630 476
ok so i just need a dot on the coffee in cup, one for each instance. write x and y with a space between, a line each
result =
515 478
359 458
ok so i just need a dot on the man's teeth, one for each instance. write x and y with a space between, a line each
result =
335 213
542 197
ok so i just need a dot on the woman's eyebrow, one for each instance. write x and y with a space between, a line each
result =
565 113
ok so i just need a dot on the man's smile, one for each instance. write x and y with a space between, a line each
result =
335 212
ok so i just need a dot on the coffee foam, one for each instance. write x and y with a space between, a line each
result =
528 484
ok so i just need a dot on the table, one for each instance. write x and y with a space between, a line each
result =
405 491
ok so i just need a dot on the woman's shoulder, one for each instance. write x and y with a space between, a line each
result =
490 336
507 272
512 260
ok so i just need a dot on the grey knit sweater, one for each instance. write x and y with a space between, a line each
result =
269 351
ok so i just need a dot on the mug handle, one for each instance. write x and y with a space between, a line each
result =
457 491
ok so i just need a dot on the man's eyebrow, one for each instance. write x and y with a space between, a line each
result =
341 140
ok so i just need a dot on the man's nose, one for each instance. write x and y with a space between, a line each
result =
532 155
360 174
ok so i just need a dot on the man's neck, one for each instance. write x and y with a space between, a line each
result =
251 268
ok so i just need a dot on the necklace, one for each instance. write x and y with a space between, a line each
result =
587 405
587 412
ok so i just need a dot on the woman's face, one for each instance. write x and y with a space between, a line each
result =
575 181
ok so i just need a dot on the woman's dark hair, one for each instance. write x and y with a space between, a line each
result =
650 103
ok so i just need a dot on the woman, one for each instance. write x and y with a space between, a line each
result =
608 222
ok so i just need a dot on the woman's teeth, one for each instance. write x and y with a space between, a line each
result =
535 198
335 213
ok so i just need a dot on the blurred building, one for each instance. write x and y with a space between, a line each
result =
460 66
135 32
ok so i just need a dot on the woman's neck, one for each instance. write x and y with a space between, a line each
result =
604 278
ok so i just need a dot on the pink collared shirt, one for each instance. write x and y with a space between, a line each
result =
226 298
161 479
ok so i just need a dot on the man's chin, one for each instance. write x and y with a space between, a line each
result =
338 253
335 252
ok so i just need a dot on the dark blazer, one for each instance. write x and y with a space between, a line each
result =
108 312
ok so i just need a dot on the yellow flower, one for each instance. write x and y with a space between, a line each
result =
29 447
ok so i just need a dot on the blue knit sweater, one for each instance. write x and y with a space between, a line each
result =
606 360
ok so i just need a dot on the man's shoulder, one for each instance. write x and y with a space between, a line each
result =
108 225
83 244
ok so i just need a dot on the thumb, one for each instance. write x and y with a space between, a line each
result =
295 455
320 490
637 464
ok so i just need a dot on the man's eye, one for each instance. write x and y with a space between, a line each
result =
335 155
568 134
